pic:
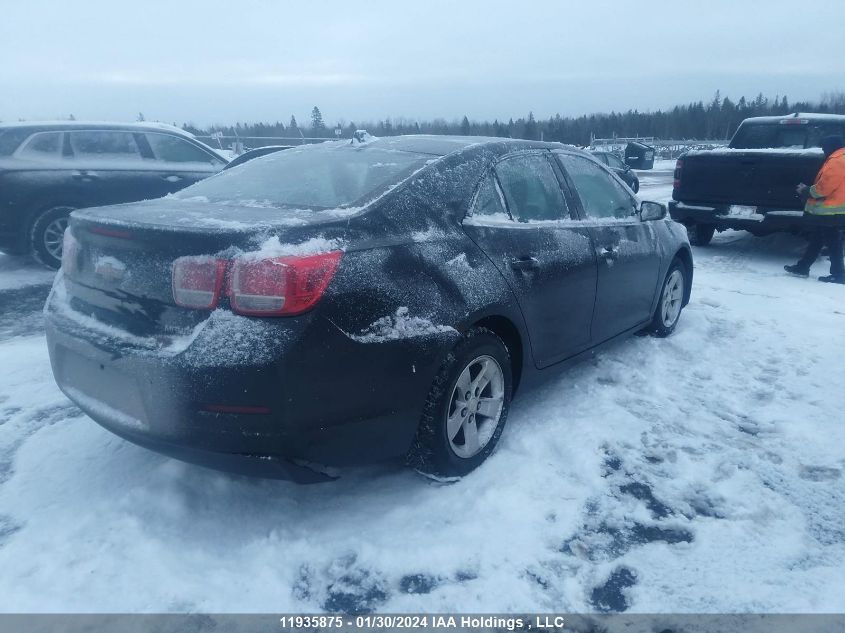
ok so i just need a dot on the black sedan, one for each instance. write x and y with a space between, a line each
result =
344 303
620 168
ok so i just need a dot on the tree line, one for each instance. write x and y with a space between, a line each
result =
714 120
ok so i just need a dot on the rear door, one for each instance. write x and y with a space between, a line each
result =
522 220
107 166
626 249
176 163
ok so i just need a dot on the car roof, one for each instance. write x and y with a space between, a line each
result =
143 126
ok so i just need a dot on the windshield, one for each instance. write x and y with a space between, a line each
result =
318 177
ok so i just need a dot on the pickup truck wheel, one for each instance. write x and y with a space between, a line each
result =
466 408
700 234
671 302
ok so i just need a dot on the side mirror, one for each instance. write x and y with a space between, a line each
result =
652 211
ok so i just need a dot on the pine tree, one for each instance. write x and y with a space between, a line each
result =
317 124
465 129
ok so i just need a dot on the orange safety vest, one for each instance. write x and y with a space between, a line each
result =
827 195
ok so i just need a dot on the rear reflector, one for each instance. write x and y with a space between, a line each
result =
281 286
198 281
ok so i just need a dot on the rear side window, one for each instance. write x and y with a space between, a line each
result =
601 196
488 202
42 146
104 144
173 149
531 188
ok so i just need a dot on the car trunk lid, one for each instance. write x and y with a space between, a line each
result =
121 269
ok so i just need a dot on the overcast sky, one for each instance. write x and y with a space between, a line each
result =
215 61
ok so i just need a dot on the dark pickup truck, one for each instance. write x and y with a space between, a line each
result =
751 183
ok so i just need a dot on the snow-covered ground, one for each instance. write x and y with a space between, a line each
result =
700 473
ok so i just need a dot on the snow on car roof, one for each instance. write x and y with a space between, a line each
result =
137 125
813 116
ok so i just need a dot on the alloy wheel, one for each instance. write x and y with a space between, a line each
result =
673 296
475 407
53 236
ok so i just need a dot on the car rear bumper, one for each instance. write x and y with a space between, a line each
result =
322 399
767 221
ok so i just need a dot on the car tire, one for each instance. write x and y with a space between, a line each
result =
700 234
453 439
671 301
46 234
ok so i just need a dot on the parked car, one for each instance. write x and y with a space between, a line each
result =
344 303
620 168
49 169
751 183
255 153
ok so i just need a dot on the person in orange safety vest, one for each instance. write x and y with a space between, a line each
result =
826 200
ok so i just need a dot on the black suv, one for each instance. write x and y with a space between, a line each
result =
620 168
49 169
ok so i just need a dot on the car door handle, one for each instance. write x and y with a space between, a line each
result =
608 252
173 178
525 263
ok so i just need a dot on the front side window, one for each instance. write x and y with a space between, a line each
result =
42 146
615 162
104 144
531 189
601 196
173 149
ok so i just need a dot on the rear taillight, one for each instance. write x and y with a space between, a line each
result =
679 166
280 286
70 253
198 281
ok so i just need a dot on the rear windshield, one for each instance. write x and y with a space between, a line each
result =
783 135
318 177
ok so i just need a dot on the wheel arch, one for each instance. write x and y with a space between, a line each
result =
507 330
685 257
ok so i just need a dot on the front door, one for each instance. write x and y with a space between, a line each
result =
521 220
626 248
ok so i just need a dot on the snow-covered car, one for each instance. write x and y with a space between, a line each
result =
48 169
345 303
